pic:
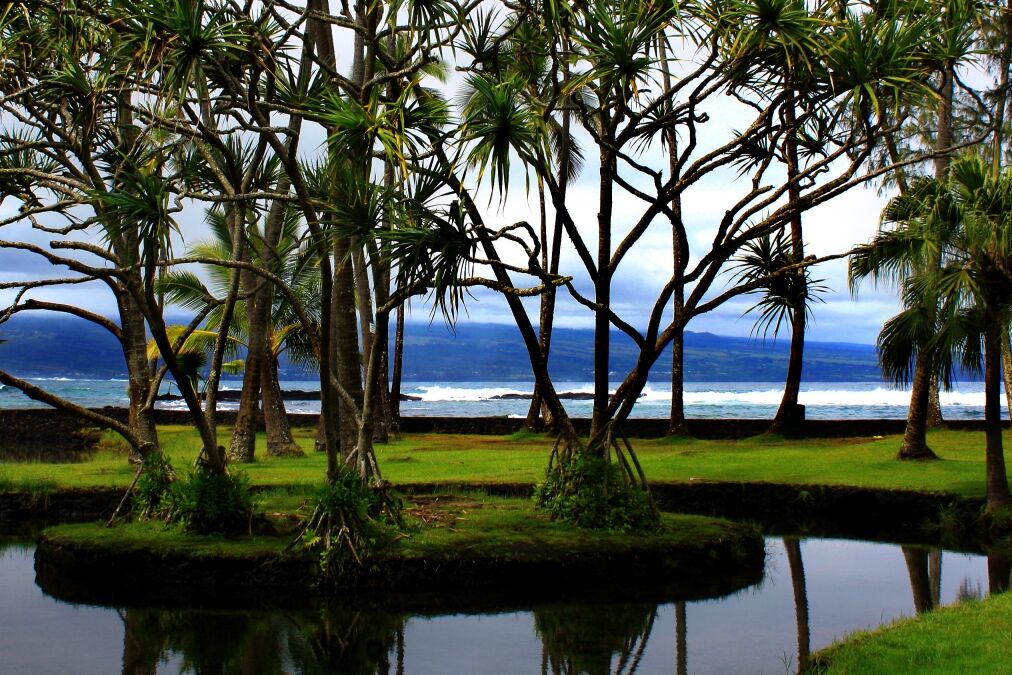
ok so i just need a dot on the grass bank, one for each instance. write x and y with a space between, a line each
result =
520 458
971 637
461 545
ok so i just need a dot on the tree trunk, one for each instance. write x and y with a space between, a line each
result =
920 580
280 442
915 443
134 343
398 367
681 640
677 425
346 348
797 565
997 480
1006 371
367 326
602 296
999 569
789 418
243 443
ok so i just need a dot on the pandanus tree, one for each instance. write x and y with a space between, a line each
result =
967 223
609 51
80 102
775 53
787 291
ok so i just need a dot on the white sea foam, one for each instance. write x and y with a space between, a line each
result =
445 393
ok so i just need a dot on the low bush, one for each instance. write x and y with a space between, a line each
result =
590 492
206 502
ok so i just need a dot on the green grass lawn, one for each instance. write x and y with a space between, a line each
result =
520 458
971 637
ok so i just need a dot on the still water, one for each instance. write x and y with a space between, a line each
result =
814 591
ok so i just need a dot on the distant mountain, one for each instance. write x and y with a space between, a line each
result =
69 347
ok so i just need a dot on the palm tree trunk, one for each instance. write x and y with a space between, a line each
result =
943 141
915 443
997 480
243 443
280 442
347 356
1006 371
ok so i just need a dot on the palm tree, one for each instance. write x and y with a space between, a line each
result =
295 266
966 223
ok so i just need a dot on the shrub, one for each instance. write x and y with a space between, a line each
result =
155 479
349 519
590 492
207 502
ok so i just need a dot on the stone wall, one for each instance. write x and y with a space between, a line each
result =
45 434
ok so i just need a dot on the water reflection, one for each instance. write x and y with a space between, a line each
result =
589 639
815 591
334 641
797 565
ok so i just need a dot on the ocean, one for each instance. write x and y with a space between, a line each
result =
738 400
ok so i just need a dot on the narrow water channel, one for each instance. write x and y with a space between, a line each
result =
814 592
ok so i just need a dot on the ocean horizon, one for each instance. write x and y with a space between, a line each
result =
703 400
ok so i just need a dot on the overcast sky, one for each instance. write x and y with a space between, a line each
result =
832 228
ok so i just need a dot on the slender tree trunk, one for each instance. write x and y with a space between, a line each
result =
367 326
943 141
134 342
398 366
677 426
797 565
538 415
348 358
602 288
920 580
1006 371
789 419
243 443
280 442
997 480
681 640
915 443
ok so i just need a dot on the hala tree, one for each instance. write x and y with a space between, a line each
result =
860 67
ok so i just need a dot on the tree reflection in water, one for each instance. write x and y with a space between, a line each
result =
331 641
797 565
588 638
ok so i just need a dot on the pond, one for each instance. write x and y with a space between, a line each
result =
814 591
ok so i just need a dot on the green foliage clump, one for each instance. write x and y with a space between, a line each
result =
207 502
589 492
349 519
153 484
